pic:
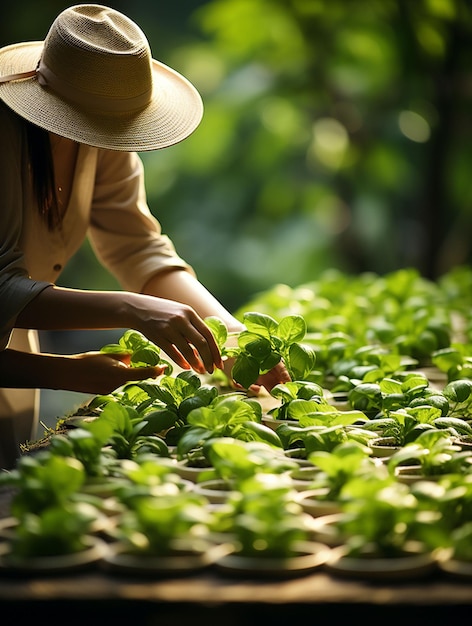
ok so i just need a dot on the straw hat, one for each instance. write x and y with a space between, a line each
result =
93 80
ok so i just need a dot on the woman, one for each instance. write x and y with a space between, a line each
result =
74 111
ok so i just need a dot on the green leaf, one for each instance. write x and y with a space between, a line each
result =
115 348
446 358
160 420
300 360
389 386
192 438
260 324
144 356
245 370
259 432
259 348
292 328
203 397
143 352
218 329
458 390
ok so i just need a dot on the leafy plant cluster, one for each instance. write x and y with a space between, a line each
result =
131 447
372 323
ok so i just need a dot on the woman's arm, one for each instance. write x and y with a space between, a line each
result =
90 372
170 314
173 326
182 286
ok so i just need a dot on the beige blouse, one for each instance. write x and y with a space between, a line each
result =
107 204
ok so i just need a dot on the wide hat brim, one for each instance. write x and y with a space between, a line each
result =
174 112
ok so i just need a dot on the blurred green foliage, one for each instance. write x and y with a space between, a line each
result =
337 133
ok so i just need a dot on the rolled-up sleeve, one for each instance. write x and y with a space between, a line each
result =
17 289
126 237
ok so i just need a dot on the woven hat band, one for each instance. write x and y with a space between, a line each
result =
90 101
18 76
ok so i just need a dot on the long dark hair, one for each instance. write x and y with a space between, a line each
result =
42 173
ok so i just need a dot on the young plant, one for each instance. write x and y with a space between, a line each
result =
43 481
142 352
390 394
227 416
459 396
294 390
263 344
455 361
346 461
264 517
447 502
126 431
380 516
55 530
98 460
166 405
148 475
235 460
52 516
369 364
322 427
434 452
155 525
405 425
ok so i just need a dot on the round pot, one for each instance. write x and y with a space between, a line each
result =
312 501
453 566
324 529
95 550
216 490
7 527
303 477
409 474
189 471
308 556
414 563
299 456
383 447
185 557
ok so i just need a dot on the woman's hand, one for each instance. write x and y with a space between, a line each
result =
100 373
88 372
275 376
179 331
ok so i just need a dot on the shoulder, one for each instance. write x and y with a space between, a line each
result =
120 164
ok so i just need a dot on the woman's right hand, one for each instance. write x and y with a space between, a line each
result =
179 331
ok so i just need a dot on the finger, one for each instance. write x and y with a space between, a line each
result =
195 348
182 354
199 347
206 346
255 389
